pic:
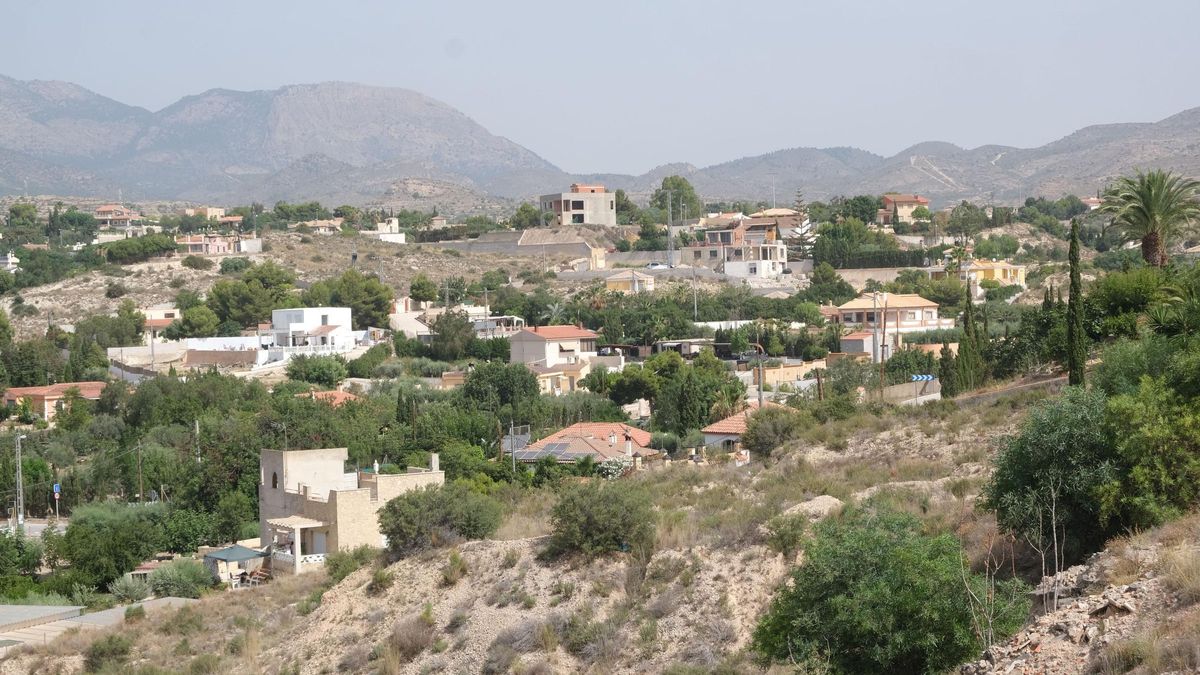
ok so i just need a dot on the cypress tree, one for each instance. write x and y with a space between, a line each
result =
1076 348
947 372
1047 301
970 356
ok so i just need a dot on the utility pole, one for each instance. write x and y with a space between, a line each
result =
196 440
512 453
670 258
695 302
20 487
141 488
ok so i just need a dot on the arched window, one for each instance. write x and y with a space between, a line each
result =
274 481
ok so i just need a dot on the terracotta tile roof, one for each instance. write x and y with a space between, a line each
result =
158 323
89 390
560 332
904 199
334 397
574 447
860 335
601 430
892 300
736 424
323 330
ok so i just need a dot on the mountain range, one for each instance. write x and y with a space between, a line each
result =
350 143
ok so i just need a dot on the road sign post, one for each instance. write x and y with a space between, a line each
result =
57 494
916 379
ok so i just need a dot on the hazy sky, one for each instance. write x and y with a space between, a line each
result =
625 86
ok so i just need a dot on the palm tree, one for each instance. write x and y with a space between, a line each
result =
554 313
1154 207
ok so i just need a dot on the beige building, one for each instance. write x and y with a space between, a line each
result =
899 208
630 281
309 505
583 205
893 314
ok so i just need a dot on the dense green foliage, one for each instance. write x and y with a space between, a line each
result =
876 595
602 516
437 515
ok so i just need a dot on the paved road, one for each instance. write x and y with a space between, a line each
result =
33 527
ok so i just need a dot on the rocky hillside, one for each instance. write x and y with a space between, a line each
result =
342 142
1130 608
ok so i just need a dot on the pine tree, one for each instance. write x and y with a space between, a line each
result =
948 372
1076 348
1047 301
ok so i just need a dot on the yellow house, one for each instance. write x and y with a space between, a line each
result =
1002 271
976 271
630 281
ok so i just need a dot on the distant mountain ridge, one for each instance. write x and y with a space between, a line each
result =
344 142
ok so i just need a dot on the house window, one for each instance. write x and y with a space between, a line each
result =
577 205
712 254
696 255
611 205
577 218
324 319
753 269
274 481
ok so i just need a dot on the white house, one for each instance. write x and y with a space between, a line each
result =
549 346
313 329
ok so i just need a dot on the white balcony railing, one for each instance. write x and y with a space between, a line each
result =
284 557
312 559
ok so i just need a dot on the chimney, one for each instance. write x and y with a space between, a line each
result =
612 438
628 445
434 464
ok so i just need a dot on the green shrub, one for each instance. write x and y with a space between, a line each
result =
181 578
134 613
785 533
365 365
1060 460
83 595
381 580
438 515
324 370
310 603
454 570
128 589
205 664
110 651
186 621
195 262
601 516
235 265
115 289
875 595
342 564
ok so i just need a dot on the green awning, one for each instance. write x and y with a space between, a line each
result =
235 553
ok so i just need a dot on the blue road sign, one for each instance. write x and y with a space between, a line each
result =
922 378
57 488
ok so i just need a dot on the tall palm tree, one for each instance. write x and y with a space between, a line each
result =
1154 207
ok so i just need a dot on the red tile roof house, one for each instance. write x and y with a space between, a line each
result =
726 434
601 441
47 401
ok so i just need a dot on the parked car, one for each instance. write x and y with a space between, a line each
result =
658 266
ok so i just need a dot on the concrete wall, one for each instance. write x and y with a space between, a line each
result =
527 348
858 277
